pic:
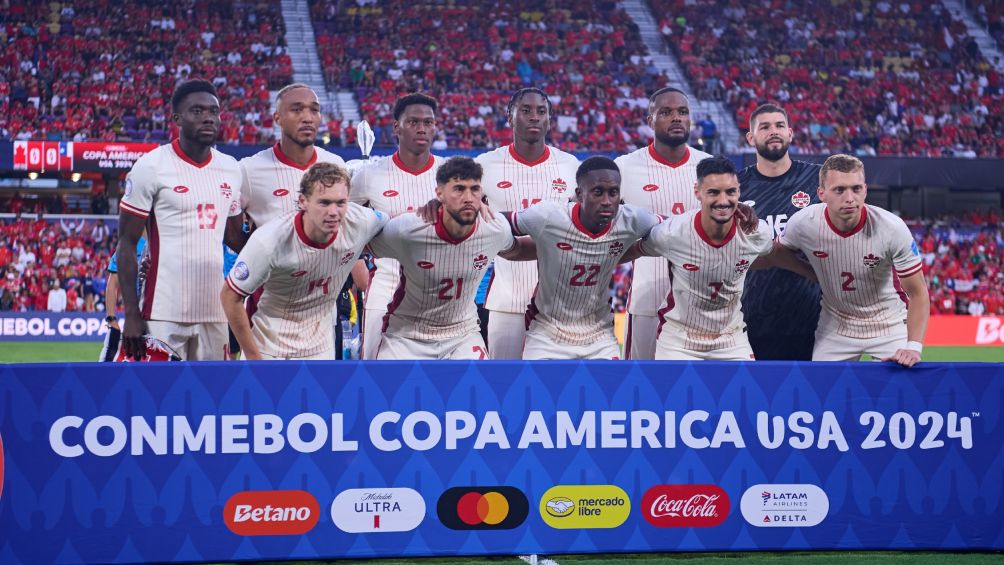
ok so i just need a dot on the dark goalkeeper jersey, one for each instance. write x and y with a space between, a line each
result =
781 308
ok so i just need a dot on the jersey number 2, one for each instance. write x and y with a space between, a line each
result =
848 281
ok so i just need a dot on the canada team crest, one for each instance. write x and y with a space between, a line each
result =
800 199
616 249
480 261
742 266
226 191
559 185
871 261
346 258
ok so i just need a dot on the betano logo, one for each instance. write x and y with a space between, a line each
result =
584 506
482 508
363 510
271 513
784 505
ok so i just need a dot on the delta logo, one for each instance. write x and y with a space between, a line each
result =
650 187
821 254
504 184
616 249
372 510
800 199
566 507
181 189
482 508
226 191
271 513
280 192
559 185
871 261
480 262
784 505
685 506
742 266
390 193
346 258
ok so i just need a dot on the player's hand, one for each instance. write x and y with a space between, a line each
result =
748 220
133 340
429 212
905 357
486 211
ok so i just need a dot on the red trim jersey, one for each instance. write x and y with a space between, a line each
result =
271 182
439 274
301 279
186 206
572 301
392 188
707 278
512 183
858 270
651 182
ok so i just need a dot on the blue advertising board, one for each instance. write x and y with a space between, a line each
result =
129 463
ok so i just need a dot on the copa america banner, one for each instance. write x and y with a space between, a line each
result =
53 326
126 463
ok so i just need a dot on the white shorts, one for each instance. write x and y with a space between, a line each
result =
539 346
323 355
372 332
395 347
506 331
672 346
641 334
831 346
208 341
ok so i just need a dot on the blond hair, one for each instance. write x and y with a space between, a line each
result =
325 174
842 164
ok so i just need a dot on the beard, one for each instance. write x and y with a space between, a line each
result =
723 221
671 140
773 154
462 220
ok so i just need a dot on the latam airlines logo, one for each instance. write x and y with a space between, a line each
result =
685 506
280 192
370 510
271 513
482 508
559 186
585 506
871 261
800 199
784 505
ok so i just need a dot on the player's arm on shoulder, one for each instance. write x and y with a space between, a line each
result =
388 242
358 190
784 257
523 249
530 221
918 312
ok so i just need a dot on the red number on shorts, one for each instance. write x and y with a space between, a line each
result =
448 285
527 203
588 271
848 279
321 284
207 216
482 354
716 287
677 208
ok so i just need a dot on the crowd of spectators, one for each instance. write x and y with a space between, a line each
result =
990 13
100 70
588 57
872 78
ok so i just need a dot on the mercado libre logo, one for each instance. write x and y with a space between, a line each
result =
584 506
482 508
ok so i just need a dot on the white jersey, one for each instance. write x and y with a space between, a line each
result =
439 275
302 279
707 278
572 300
651 182
512 183
858 270
186 205
390 187
271 182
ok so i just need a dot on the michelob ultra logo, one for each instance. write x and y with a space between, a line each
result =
482 508
364 510
585 506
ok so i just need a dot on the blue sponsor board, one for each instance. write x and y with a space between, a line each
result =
299 460
53 326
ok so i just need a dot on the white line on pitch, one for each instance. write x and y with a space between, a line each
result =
532 560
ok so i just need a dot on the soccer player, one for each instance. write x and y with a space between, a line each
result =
516 177
866 261
400 184
271 178
659 178
782 309
433 315
709 256
578 246
302 260
184 194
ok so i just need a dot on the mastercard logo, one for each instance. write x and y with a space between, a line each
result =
482 508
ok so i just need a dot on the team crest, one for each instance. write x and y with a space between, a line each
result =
226 191
800 199
871 261
241 271
480 261
616 249
742 266
346 258
559 185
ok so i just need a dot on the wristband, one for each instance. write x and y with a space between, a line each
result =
915 346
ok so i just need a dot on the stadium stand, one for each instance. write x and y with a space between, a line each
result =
873 78
98 70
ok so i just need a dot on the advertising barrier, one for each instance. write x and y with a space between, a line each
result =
171 462
965 330
53 326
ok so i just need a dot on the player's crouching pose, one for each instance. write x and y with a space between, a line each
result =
861 255
432 314
302 259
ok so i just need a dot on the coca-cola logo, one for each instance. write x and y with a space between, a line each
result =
685 506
